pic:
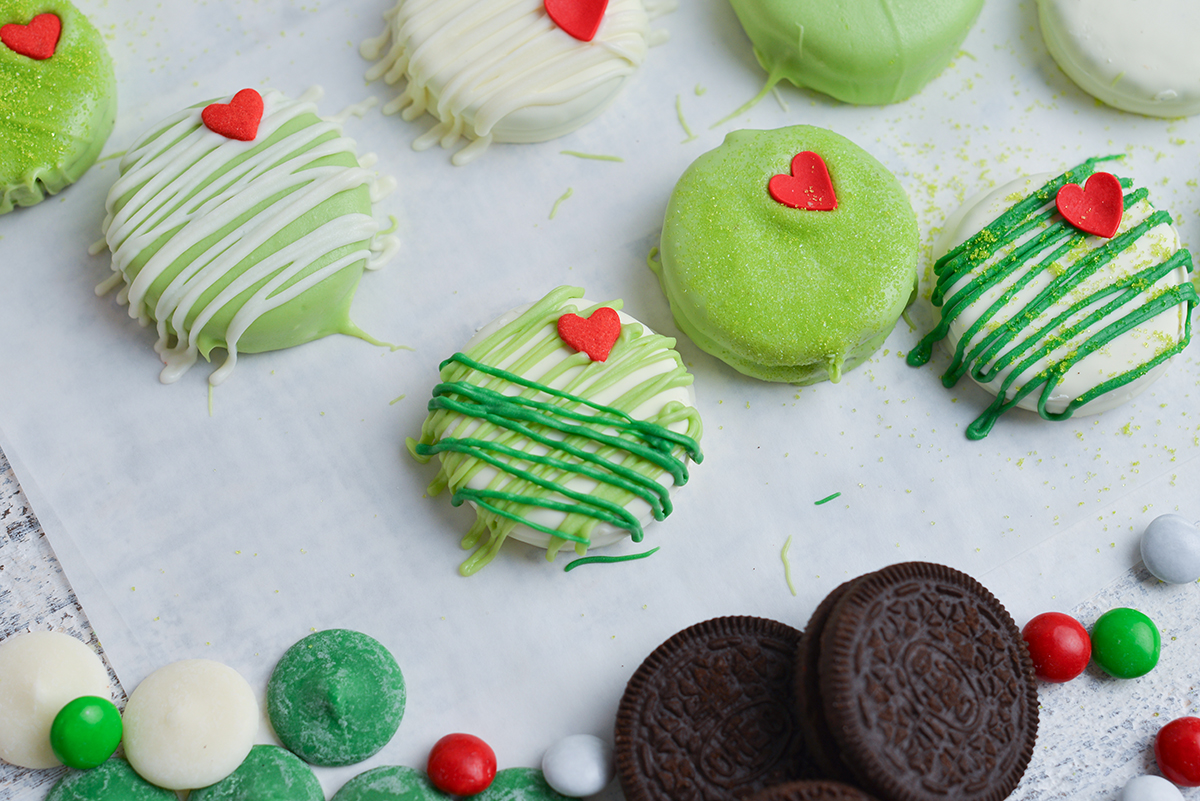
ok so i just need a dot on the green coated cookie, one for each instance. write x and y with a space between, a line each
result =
56 112
519 784
868 52
390 783
336 697
268 773
114 780
782 293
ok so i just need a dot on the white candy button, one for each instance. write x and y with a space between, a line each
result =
1171 549
578 765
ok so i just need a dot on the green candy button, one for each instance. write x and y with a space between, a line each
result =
1125 643
86 732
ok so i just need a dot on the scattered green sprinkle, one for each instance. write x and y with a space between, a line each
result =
679 112
826 499
557 203
592 156
787 569
594 560
700 90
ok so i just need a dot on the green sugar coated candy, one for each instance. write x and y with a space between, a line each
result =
268 773
1125 643
519 784
868 52
780 293
336 697
114 780
86 732
390 783
55 113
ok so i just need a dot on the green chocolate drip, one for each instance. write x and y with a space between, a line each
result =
55 114
868 52
1015 344
608 560
538 437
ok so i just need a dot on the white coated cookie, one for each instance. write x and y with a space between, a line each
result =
1136 55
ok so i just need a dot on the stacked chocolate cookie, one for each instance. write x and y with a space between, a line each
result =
911 683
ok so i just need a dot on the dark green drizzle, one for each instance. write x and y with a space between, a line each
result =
1056 238
605 560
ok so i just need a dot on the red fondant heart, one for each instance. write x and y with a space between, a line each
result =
237 119
36 40
593 335
808 187
579 18
1094 208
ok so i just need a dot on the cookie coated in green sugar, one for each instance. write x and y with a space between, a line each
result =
867 52
268 773
113 780
336 697
390 783
56 112
787 294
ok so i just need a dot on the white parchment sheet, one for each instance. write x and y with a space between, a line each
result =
292 506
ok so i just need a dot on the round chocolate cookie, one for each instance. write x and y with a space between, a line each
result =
336 697
818 739
927 687
812 791
709 714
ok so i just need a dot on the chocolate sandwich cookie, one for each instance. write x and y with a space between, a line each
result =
812 791
926 686
709 714
818 740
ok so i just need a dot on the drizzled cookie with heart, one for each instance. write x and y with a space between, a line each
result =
1062 294
564 423
58 99
509 70
243 225
788 254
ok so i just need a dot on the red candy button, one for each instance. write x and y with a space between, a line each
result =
1094 208
1059 646
1177 750
238 119
461 764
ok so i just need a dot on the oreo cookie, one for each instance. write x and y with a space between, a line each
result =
812 791
925 686
710 715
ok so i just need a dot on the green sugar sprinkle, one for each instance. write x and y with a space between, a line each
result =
787 569
604 560
826 499
682 121
558 202
592 156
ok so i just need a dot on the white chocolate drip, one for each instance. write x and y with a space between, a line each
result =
170 181
502 70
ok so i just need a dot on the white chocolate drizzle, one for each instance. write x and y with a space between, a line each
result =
185 183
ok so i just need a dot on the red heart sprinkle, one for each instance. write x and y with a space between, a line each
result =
808 187
36 40
237 119
593 335
579 18
1094 208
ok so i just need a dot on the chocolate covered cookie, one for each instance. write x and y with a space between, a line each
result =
926 686
709 714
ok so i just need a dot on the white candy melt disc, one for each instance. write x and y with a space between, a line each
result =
190 724
39 674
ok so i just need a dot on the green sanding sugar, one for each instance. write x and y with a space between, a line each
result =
519 784
268 773
336 697
112 780
390 783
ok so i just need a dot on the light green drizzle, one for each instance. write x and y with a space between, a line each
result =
538 435
787 568
557 203
683 122
1021 345
827 499
592 156
604 560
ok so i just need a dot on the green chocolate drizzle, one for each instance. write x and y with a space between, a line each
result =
1039 240
539 435
608 560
